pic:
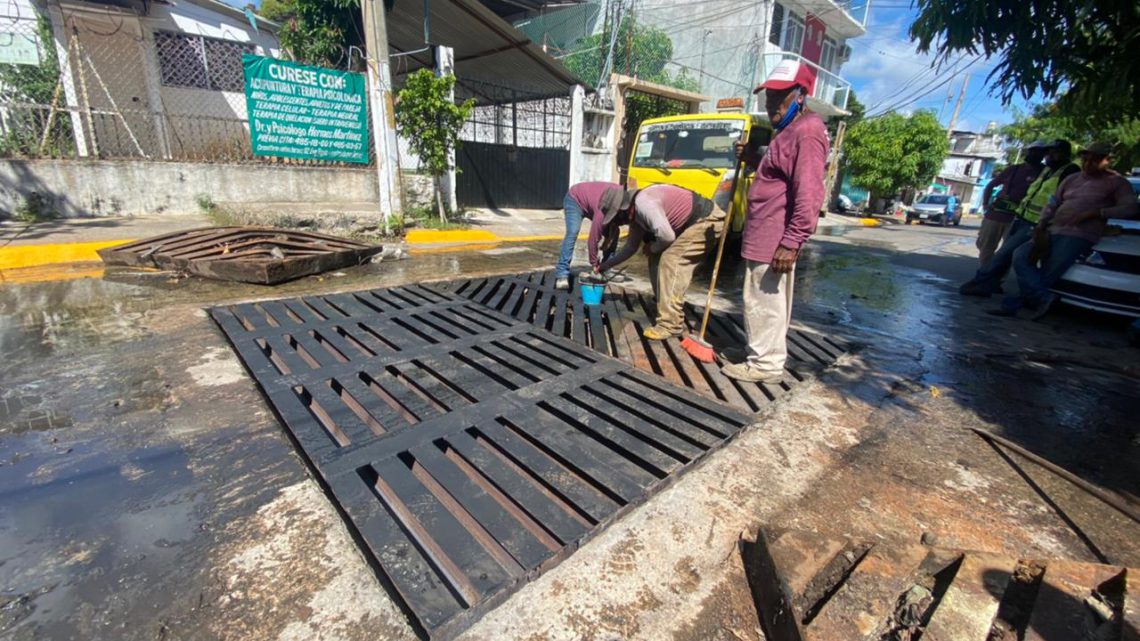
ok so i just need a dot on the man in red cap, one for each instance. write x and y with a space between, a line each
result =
783 209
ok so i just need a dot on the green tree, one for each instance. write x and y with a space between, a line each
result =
276 10
640 51
321 32
888 154
34 85
1061 119
430 120
1044 46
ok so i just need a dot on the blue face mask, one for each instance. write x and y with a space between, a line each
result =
789 116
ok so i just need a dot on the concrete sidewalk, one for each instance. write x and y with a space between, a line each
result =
67 248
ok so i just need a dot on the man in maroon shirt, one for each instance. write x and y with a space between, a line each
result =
1000 212
677 227
783 209
590 200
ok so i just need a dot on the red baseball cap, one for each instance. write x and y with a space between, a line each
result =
788 74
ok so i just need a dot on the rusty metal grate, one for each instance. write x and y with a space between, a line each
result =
260 255
468 450
614 328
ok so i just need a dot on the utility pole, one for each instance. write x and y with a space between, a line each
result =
958 107
380 102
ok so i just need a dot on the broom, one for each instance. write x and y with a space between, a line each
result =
697 347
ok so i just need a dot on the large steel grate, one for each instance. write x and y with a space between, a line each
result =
468 450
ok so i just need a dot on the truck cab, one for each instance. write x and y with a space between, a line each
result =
695 151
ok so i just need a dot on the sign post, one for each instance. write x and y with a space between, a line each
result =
298 111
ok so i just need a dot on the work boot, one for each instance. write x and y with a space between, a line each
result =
1042 308
658 333
975 289
747 372
562 283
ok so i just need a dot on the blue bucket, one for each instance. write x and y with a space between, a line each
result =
591 293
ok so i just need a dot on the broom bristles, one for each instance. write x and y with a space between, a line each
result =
698 349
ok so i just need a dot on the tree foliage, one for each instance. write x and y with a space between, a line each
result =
640 51
888 154
1060 119
30 84
320 32
1045 47
430 121
276 10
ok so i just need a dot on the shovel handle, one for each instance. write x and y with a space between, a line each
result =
720 248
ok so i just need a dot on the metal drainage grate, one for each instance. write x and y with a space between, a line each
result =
260 255
615 327
469 450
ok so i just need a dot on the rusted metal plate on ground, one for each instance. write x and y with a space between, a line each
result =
908 591
614 328
260 255
468 450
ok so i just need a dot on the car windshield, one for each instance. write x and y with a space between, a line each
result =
1135 182
699 144
935 200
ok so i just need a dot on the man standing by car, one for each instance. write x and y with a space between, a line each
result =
1001 211
1058 166
783 209
1074 221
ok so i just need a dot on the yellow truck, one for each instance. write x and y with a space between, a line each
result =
695 151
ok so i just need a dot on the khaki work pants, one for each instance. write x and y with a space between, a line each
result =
991 234
767 316
671 271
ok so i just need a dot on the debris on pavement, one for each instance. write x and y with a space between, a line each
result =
259 255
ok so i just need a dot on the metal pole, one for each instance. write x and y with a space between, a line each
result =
1113 500
383 118
958 107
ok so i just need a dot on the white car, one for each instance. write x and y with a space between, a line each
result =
1108 280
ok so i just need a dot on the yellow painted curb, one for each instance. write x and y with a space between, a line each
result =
432 236
444 236
46 273
35 255
870 222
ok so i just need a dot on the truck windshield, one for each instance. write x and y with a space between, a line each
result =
698 144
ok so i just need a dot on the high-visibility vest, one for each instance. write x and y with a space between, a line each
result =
1042 189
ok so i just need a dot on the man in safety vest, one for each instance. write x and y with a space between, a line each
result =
1058 166
1001 211
1073 221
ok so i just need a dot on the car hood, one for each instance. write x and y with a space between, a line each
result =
929 207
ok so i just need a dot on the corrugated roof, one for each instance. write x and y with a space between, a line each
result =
494 62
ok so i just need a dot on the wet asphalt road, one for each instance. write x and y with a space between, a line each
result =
133 449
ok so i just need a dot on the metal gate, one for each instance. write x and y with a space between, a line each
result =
501 176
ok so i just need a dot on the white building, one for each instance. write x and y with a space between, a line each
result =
149 79
969 166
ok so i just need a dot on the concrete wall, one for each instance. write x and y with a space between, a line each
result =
136 188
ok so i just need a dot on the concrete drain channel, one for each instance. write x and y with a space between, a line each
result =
469 450
829 589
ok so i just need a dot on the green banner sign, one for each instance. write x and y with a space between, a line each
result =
297 111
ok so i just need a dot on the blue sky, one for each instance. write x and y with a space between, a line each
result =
886 71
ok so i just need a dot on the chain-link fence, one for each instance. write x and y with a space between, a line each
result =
104 83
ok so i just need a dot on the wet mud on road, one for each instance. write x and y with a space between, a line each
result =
146 492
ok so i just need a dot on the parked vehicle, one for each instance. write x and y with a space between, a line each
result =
940 208
844 206
695 151
1108 280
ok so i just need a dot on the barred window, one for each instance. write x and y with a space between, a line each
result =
197 62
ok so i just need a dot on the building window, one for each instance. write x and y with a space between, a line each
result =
777 30
793 34
827 54
197 62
